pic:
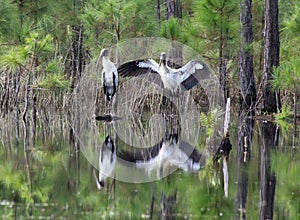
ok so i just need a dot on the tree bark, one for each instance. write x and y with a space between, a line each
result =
76 54
270 100
223 75
247 82
158 10
173 8
223 58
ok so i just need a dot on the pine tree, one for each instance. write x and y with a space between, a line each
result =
247 83
270 100
214 23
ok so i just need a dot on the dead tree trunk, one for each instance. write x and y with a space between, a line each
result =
270 100
247 82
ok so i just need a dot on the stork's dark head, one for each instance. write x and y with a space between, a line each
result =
104 52
163 59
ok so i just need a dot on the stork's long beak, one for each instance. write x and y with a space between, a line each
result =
159 63
104 52
101 55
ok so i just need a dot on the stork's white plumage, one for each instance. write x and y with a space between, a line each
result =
185 77
107 161
109 75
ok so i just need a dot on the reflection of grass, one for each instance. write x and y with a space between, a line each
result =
210 174
285 114
284 118
287 168
210 120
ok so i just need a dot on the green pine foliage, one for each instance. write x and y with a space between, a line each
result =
287 76
54 82
171 29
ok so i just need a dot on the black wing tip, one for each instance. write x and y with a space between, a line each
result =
132 68
190 82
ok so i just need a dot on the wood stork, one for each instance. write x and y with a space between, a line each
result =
185 77
107 161
109 75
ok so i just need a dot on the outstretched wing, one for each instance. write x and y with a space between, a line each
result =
138 67
193 73
141 68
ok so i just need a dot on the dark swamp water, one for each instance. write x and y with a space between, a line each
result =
48 176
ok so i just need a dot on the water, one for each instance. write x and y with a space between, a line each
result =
54 180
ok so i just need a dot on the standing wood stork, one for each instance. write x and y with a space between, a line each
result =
109 75
107 162
185 77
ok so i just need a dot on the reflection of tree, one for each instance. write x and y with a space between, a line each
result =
267 178
74 165
245 132
168 205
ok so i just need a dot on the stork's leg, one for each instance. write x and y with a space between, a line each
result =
110 105
109 130
105 105
178 106
178 114
165 106
172 99
114 104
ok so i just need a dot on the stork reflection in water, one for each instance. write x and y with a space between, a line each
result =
106 162
170 153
